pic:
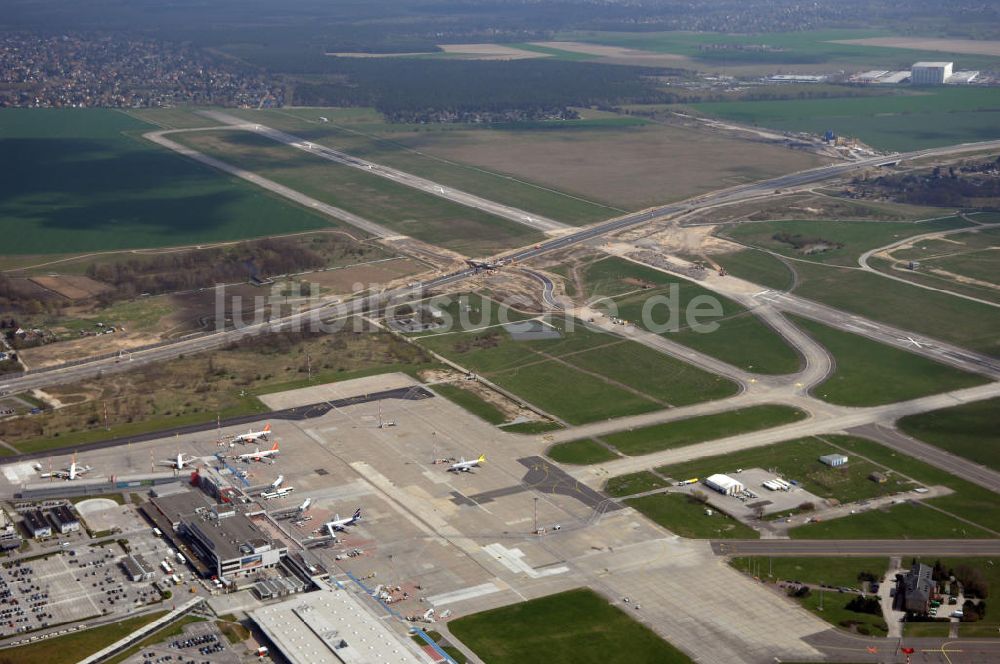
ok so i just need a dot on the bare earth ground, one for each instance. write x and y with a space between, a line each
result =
926 44
510 409
72 287
74 349
347 279
620 55
632 168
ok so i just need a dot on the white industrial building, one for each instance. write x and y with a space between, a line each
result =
833 460
724 484
930 73
332 626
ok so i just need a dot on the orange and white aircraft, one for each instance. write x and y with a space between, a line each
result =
253 436
259 454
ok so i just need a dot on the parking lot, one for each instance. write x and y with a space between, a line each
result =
67 587
200 643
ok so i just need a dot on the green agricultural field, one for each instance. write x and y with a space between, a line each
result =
580 377
687 517
799 460
913 120
969 512
403 209
471 402
740 338
918 310
758 267
845 240
633 483
363 133
574 627
86 181
580 452
868 373
971 430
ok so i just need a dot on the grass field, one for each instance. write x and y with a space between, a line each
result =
854 237
582 376
686 517
867 373
699 429
970 430
758 267
907 521
580 452
605 164
401 208
574 627
799 460
916 120
365 134
908 307
471 402
741 339
633 483
682 432
69 649
85 182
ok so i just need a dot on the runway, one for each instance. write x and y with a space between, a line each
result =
835 548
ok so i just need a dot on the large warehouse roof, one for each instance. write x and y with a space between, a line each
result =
332 627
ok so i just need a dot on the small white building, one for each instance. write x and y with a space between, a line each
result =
724 484
930 73
833 460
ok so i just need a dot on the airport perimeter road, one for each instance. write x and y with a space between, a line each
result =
834 548
401 177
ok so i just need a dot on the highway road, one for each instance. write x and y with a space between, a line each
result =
60 375
835 548
401 177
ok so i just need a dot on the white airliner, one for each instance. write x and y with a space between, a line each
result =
253 436
178 462
464 466
259 454
73 472
339 524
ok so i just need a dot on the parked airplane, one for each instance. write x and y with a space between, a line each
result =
178 462
73 472
464 466
259 454
340 524
253 436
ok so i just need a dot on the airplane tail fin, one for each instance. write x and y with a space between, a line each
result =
357 514
482 458
267 428
274 448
